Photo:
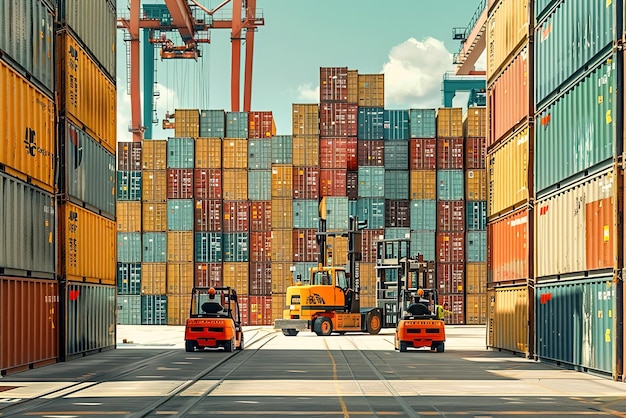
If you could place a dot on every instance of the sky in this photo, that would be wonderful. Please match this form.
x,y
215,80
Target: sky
x,y
410,41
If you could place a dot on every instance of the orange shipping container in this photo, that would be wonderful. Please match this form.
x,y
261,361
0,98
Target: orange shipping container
x,y
278,305
282,245
187,123
282,180
475,122
282,277
305,119
89,96
27,129
476,278
508,318
180,278
180,246
235,184
154,216
154,186
423,184
154,154
236,276
507,28
282,214
178,308
305,150
153,278
87,249
450,122
235,153
128,216
507,248
476,185
208,153
371,90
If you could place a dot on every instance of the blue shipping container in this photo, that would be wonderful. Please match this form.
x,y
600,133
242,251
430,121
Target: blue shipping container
x,y
259,185
236,125
423,242
180,215
235,246
260,154
396,124
371,181
282,149
180,153
128,278
305,214
397,184
476,215
336,213
212,123
154,310
371,121
129,185
128,247
129,309
155,247
397,155
476,246
208,248
372,210
450,185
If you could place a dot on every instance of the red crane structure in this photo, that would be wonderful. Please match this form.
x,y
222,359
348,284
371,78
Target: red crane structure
x,y
192,21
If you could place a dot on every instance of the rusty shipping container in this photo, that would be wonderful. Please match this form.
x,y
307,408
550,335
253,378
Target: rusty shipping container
x,y
450,278
371,153
475,122
305,120
236,216
129,156
397,213
208,153
305,182
154,154
507,29
423,154
338,119
450,215
153,216
450,247
475,152
260,246
187,123
88,95
180,279
128,216
208,274
261,125
352,185
30,322
304,245
333,182
371,90
507,248
476,185
333,84
180,183
449,153
456,303
333,153
27,144
449,122
153,278
207,183
260,216
235,184
260,310
260,278
423,184
508,319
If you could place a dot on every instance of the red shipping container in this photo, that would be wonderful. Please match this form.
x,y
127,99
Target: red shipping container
x,y
456,304
423,154
352,185
449,153
338,120
304,245
450,247
333,182
260,310
207,183
208,215
260,246
475,152
333,153
243,302
397,214
507,248
129,156
236,216
260,215
371,153
260,125
260,278
368,245
333,84
450,215
208,274
305,182
450,277
180,183
351,154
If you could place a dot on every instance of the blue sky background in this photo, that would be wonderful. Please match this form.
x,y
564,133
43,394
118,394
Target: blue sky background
x,y
410,41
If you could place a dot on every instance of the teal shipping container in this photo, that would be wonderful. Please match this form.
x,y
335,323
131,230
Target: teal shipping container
x,y
422,123
282,148
542,7
371,181
212,123
235,247
260,154
129,185
236,125
305,214
208,247
396,124
128,247
574,323
397,155
337,213
395,233
450,185
476,215
153,309
129,309
568,39
180,152
397,184
128,278
476,242
259,184
372,210
424,215
424,242
154,247
180,215
302,270
370,121
577,132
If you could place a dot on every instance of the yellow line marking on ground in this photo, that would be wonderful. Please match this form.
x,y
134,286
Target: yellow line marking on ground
x,y
344,408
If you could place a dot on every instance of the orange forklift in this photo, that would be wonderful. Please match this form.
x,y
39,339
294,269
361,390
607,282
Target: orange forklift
x,y
214,320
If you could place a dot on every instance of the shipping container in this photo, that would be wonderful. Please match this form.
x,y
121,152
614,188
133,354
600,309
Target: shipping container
x,y
368,284
305,214
423,184
260,216
475,278
207,183
333,153
368,244
235,153
450,247
282,245
333,84
208,153
260,278
129,309
187,124
235,247
282,181
371,153
28,228
212,124
180,278
208,274
236,276
235,184
154,247
338,119
507,246
282,214
180,183
396,154
154,216
449,122
178,307
153,278
422,123
508,319
371,181
305,120
336,209
153,185
236,125
88,95
208,247
282,277
27,144
476,185
180,152
575,228
244,313
450,216
475,122
180,247
259,184
236,216
305,150
424,242
395,233
395,124
81,257
153,309
475,153
450,185
304,245
371,90
302,272
353,86
423,154
180,214
305,183
30,323
449,153
281,149
154,154
334,182
397,213
260,154
372,210
260,246
507,28
397,185
424,214
450,278
128,216
129,247
337,250
476,242
128,155
476,215
352,185
261,125
456,304
476,309
129,185
278,305
351,154
370,123
260,310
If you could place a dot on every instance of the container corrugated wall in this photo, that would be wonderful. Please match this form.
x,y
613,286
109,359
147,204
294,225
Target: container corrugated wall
x,y
508,319
208,153
507,27
508,247
422,123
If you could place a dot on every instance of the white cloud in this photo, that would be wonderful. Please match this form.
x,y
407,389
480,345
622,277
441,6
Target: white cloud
x,y
307,93
414,73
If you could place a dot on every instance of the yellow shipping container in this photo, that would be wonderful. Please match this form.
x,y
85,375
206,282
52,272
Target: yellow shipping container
x,y
423,184
154,216
154,186
236,276
282,213
282,245
507,319
372,90
186,123
153,278
27,143
449,122
353,86
128,214
154,154
508,173
180,246
507,30
88,251
208,153
305,150
476,277
475,122
235,184
278,305
305,119
476,185
368,285
178,308
337,251
476,309
234,153
90,97
282,277
180,278
282,180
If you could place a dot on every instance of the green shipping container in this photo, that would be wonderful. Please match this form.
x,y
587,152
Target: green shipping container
x,y
423,242
208,247
259,184
476,215
574,323
424,215
476,242
305,214
128,278
422,123
396,233
212,123
396,124
154,310
236,125
128,247
260,154
372,210
282,146
154,247
129,185
370,120
129,309
180,215
397,155
371,181
450,185
336,213
397,184
180,152
235,247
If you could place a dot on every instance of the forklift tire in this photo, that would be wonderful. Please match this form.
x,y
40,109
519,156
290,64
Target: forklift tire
x,y
440,347
403,346
228,347
322,326
189,347
290,332
373,323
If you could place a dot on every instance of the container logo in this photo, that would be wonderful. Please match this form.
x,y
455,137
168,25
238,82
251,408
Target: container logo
x,y
30,144
78,148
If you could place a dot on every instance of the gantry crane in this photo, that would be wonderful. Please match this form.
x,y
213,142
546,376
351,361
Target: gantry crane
x,y
193,31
